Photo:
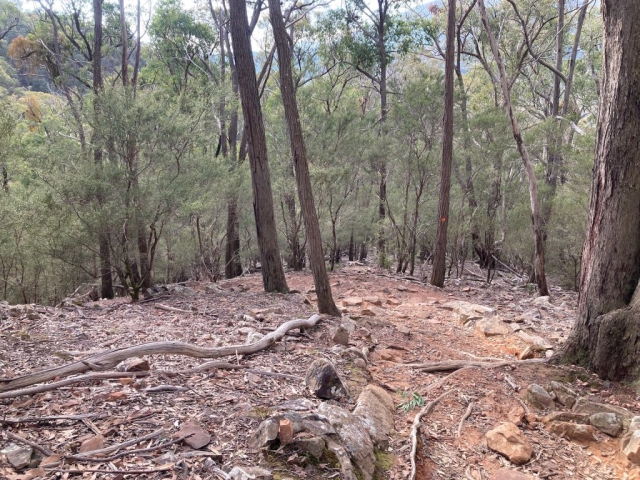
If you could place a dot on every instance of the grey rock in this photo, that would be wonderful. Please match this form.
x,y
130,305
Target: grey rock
x,y
606,422
583,405
250,473
253,337
537,396
541,301
296,405
375,409
324,382
354,437
266,434
567,417
312,445
18,456
317,425
492,327
341,454
340,336
632,448
564,394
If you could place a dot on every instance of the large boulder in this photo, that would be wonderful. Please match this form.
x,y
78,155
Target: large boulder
x,y
375,409
324,382
584,405
607,422
353,436
509,441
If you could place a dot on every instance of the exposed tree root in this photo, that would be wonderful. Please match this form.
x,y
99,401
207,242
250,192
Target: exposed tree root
x,y
449,365
112,358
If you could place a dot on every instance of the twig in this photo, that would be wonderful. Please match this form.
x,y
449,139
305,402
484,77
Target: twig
x,y
167,308
449,365
14,421
511,382
41,449
70,381
165,388
102,470
92,426
524,406
416,425
230,366
114,448
464,417
128,452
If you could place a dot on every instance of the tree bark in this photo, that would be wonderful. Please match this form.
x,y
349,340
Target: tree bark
x,y
301,166
273,277
536,219
440,253
606,335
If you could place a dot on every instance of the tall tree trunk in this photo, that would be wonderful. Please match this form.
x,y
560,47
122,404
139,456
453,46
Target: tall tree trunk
x,y
440,252
272,271
606,335
301,166
382,187
536,220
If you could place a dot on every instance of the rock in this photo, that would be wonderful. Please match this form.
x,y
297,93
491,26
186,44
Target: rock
x,y
516,415
367,312
95,442
18,456
573,431
389,355
509,441
373,300
360,363
468,311
296,404
285,431
137,365
534,340
541,301
253,337
375,409
341,454
340,336
312,445
491,327
527,353
507,474
354,437
266,434
549,353
352,302
537,396
317,425
393,302
566,417
324,382
632,448
250,473
198,436
584,405
609,423
634,424
564,394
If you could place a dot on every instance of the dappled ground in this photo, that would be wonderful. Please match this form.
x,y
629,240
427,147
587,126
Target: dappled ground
x,y
398,321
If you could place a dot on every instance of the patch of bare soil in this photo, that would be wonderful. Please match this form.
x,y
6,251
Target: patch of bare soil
x,y
409,323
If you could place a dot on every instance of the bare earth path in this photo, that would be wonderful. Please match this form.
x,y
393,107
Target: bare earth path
x,y
398,321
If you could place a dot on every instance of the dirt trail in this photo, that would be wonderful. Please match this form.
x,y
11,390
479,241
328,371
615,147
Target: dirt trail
x,y
407,323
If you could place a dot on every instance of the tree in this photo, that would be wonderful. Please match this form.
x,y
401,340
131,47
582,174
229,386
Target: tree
x,y
273,277
536,219
605,336
301,166
439,257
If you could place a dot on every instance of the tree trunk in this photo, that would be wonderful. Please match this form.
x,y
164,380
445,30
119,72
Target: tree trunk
x,y
606,335
303,180
438,272
273,277
536,219
232,266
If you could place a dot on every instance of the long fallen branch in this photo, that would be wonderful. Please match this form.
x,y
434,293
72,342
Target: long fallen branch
x,y
112,358
448,365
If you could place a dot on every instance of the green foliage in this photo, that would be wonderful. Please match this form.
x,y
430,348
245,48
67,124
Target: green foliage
x,y
411,401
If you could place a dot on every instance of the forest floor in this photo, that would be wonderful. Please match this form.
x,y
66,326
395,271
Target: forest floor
x,y
412,324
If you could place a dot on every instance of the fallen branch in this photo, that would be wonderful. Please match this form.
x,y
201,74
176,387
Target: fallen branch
x,y
229,366
115,448
464,417
111,358
70,381
15,421
103,470
82,458
416,425
35,446
449,365
167,308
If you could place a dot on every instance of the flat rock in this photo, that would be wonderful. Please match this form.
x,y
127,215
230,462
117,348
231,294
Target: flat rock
x,y
312,445
537,397
584,405
541,301
491,327
632,449
198,436
393,302
508,474
297,405
352,302
18,456
373,300
137,365
573,431
367,312
467,311
317,425
606,422
95,442
353,436
567,417
564,394
324,382
250,473
534,340
509,441
375,409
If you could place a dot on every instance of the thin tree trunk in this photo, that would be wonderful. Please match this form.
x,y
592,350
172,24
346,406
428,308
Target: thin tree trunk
x,y
272,271
536,219
303,179
439,266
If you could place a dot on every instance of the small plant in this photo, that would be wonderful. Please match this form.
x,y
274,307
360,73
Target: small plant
x,y
411,401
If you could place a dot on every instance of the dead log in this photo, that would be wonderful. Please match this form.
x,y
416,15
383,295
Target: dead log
x,y
449,365
112,358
